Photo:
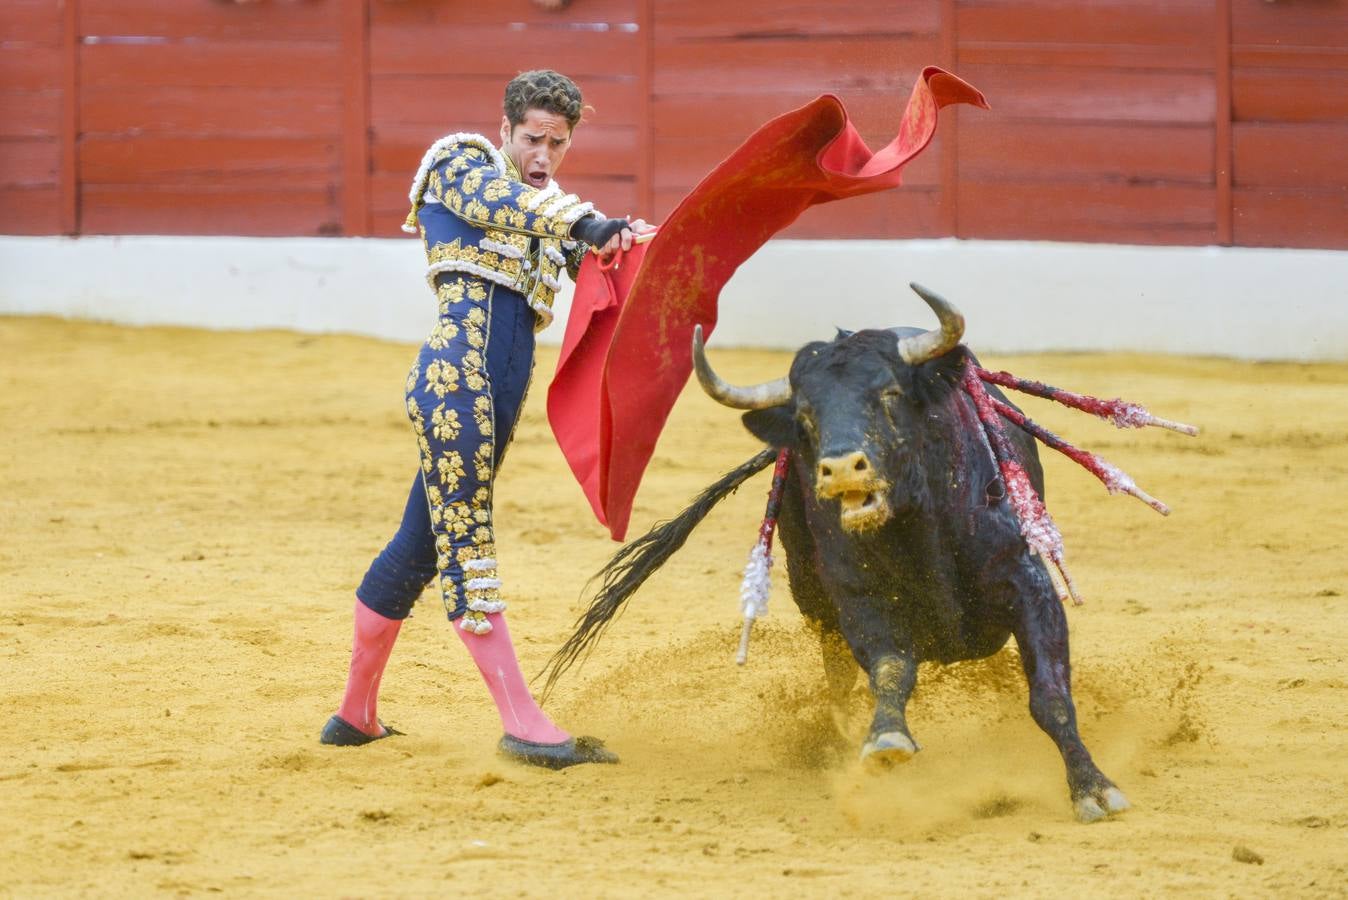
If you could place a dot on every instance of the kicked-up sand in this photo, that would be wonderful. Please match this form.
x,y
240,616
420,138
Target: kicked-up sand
x,y
184,516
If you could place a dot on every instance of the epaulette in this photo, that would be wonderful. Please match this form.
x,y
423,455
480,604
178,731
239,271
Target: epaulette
x,y
433,155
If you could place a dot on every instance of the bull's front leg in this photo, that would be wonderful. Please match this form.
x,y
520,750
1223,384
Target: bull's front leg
x,y
889,741
890,664
840,676
1041,635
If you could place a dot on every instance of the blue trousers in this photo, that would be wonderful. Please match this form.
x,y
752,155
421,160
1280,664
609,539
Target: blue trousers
x,y
464,395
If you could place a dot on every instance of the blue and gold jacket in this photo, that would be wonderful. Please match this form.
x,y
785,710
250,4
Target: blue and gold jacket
x,y
476,216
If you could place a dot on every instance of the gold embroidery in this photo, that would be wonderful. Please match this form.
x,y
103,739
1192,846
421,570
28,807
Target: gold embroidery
x,y
476,291
460,519
451,291
473,335
482,414
490,594
472,182
511,239
444,332
442,251
455,251
419,427
445,423
482,458
441,378
497,189
450,468
474,211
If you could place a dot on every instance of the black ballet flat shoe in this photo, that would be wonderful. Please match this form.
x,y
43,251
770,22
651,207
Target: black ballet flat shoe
x,y
341,733
571,752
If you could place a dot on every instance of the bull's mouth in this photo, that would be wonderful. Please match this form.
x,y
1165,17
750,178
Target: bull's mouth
x,y
863,510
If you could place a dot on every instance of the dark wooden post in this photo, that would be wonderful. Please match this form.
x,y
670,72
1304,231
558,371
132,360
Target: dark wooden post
x,y
355,118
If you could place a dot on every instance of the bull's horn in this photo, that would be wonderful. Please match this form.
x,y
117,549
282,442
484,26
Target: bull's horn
x,y
757,396
919,348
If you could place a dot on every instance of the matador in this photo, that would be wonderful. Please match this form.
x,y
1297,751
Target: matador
x,y
498,232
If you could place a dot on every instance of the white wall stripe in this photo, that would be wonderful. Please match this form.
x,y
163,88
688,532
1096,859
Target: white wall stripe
x,y
1016,296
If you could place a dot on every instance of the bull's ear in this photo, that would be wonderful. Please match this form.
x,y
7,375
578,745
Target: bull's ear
x,y
775,426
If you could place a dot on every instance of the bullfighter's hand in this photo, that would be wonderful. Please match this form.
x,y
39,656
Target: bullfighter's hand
x,y
625,239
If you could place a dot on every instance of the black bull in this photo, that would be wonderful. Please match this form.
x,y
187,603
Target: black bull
x,y
901,544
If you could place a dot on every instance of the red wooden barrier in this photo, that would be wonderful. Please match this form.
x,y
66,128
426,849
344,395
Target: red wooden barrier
x,y
1289,108
1149,121
31,117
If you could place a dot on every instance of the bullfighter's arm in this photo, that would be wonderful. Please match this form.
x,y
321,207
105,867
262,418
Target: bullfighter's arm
x,y
467,181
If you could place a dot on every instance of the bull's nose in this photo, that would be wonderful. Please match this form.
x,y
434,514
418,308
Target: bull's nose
x,y
842,470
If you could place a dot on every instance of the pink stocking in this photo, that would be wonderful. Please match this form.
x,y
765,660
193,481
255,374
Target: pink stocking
x,y
369,653
495,657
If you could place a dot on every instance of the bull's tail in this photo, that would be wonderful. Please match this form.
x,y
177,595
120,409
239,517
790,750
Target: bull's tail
x,y
629,568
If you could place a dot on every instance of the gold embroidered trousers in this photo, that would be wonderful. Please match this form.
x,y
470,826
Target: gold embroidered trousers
x,y
464,395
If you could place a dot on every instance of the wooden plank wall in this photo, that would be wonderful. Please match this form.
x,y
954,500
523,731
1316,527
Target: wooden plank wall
x,y
721,69
1102,125
31,92
1139,121
1289,94
441,67
209,118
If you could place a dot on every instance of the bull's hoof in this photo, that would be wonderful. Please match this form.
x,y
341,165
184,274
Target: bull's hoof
x,y
1099,805
888,750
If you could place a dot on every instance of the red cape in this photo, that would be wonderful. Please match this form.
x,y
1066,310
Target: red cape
x,y
627,349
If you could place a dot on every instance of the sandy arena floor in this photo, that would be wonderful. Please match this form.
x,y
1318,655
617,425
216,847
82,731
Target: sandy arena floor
x,y
184,515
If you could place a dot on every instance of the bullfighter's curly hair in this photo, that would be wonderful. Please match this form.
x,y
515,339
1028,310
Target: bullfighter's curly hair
x,y
546,90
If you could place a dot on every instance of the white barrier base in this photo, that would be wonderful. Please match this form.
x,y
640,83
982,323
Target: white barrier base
x,y
1016,296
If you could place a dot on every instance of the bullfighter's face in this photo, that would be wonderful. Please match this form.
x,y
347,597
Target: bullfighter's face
x,y
537,145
